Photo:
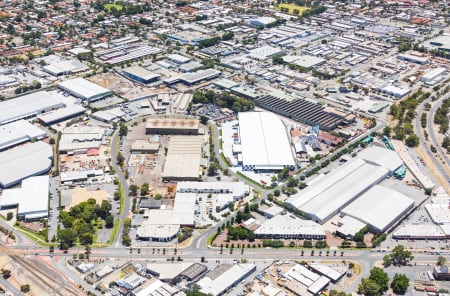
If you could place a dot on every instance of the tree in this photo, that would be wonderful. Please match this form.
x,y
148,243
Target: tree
x,y
9,216
52,141
400,256
276,192
86,239
338,293
387,261
400,283
204,119
123,130
369,287
6,273
144,189
412,141
380,277
133,189
441,260
67,237
307,244
25,288
212,169
109,221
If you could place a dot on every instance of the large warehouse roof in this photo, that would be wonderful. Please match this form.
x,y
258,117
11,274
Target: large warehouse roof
x,y
379,207
228,278
84,89
27,106
183,158
287,225
61,114
80,138
265,144
31,199
328,195
18,132
24,161
381,156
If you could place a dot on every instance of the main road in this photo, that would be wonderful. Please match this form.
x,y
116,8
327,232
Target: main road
x,y
126,198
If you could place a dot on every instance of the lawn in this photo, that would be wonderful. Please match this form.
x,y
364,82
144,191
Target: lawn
x,y
289,8
108,6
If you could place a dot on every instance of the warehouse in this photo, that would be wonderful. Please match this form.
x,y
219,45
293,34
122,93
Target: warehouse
x,y
61,114
325,197
141,75
28,106
265,52
65,67
306,61
172,126
331,193
17,132
289,227
434,76
183,158
178,59
223,277
199,76
31,199
413,58
79,139
262,21
110,115
143,147
302,110
265,143
24,161
84,89
390,207
238,189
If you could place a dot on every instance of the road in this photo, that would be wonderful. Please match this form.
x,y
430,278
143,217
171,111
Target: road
x,y
126,208
438,169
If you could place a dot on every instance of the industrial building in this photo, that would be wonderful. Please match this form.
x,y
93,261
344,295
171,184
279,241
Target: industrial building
x,y
265,52
31,199
264,141
289,227
223,277
183,158
433,76
65,67
305,61
24,161
141,74
79,139
237,189
192,78
28,106
306,111
61,114
110,115
389,208
172,126
178,59
18,132
262,21
302,281
157,287
333,192
144,147
84,89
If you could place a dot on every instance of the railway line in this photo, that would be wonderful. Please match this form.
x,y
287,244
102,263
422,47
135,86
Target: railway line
x,y
40,278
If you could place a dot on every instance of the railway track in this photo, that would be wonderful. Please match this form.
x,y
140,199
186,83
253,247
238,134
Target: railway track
x,y
46,280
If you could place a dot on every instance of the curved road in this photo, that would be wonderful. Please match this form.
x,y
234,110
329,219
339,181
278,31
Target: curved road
x,y
126,204
431,130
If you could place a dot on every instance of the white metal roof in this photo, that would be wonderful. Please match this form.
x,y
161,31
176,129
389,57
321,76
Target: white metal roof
x,y
379,207
343,191
27,106
218,285
439,213
18,132
61,114
349,226
382,156
141,72
289,225
84,89
327,271
264,140
24,161
31,198
81,137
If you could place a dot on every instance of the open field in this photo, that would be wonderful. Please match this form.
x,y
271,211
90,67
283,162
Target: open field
x,y
289,8
111,5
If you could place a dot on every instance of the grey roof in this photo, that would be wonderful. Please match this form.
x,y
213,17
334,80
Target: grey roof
x,y
27,106
18,132
24,161
84,89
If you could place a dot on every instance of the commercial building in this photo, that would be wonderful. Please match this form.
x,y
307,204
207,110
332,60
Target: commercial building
x,y
223,277
289,227
31,199
28,106
61,114
303,110
413,58
157,287
84,89
434,76
79,139
141,74
172,126
313,282
178,59
306,61
265,143
142,146
262,21
110,115
183,158
237,189
327,271
65,67
441,273
18,132
390,207
439,43
265,52
333,192
24,161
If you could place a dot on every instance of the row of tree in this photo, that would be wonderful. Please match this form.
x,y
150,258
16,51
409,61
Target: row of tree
x,y
224,99
378,282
